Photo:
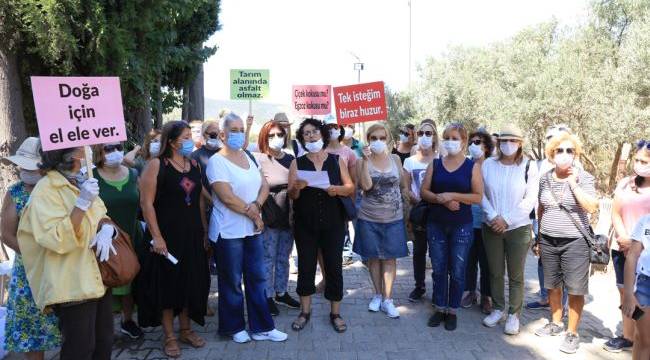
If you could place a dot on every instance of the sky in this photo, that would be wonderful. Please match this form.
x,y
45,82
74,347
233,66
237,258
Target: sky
x,y
317,42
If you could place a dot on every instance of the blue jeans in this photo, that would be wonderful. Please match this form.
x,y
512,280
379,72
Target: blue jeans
x,y
277,249
237,258
449,246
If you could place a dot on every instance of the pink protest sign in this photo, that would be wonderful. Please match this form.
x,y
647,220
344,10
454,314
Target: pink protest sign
x,y
312,99
77,111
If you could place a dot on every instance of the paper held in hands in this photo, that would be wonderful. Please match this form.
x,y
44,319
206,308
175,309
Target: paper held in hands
x,y
169,256
315,179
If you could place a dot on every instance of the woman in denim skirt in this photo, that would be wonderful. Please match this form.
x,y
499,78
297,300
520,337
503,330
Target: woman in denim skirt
x,y
381,233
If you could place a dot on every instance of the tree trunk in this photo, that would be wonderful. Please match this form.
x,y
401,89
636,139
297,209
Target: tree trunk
x,y
186,102
12,122
141,119
158,119
613,172
195,109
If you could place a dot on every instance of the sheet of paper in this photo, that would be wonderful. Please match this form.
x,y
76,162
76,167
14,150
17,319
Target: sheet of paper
x,y
316,179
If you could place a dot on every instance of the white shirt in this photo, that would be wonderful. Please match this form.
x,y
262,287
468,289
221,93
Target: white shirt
x,y
416,170
245,184
641,233
507,193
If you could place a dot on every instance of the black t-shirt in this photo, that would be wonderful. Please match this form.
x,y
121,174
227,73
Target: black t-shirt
x,y
202,155
402,156
286,160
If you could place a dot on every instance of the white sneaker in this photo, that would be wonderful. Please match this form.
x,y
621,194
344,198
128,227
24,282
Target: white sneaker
x,y
273,335
389,308
375,303
241,337
494,318
512,325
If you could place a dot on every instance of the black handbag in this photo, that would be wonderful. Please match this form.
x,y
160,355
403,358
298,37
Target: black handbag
x,y
350,210
273,215
418,213
598,244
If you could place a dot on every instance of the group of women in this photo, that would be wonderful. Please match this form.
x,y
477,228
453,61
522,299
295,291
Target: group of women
x,y
185,199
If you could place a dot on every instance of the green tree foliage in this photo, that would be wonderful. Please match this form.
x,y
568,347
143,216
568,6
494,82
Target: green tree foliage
x,y
152,45
591,77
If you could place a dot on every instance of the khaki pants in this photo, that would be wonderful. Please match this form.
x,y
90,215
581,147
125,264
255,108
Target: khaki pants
x,y
507,249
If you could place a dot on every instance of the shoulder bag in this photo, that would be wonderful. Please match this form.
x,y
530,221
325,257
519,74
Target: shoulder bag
x,y
598,244
121,268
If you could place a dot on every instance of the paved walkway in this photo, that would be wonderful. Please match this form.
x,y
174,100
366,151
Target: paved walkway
x,y
374,336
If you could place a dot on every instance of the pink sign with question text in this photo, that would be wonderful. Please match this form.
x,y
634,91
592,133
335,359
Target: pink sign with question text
x,y
76,111
312,99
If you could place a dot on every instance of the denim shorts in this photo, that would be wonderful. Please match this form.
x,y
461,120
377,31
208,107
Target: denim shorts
x,y
642,291
375,240
618,260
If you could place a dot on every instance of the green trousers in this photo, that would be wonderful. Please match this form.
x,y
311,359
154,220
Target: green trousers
x,y
507,250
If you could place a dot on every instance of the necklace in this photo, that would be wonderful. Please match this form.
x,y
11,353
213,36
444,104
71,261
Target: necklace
x,y
181,166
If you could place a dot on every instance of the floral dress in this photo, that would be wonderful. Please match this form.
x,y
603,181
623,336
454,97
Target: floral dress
x,y
27,328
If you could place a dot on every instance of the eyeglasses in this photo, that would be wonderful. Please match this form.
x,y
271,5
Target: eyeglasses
x,y
405,133
273,135
427,133
375,138
213,135
642,143
310,133
111,148
569,151
509,140
476,142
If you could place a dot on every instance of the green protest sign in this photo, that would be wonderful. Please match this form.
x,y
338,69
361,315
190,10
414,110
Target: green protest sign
x,y
246,84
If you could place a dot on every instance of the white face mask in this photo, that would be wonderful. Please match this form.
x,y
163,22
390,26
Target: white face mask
x,y
276,143
476,151
212,144
377,146
403,138
642,170
30,177
508,148
154,148
563,161
425,142
452,146
314,147
114,158
334,134
348,133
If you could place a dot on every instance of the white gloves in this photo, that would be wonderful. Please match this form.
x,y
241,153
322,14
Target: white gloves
x,y
104,241
88,191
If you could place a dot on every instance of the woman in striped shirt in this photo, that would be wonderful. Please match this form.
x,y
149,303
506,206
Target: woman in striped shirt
x,y
566,197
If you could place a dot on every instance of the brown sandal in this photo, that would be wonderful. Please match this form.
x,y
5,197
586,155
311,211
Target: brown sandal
x,y
189,337
171,348
339,328
301,321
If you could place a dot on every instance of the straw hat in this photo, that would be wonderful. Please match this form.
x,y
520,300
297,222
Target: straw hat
x,y
27,156
510,132
282,119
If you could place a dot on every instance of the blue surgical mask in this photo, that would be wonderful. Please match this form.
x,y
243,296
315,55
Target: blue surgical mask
x,y
235,141
186,147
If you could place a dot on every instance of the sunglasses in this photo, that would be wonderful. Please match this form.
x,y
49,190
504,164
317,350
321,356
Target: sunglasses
x,y
111,148
212,135
405,133
273,135
642,143
569,151
375,138
427,133
508,140
476,142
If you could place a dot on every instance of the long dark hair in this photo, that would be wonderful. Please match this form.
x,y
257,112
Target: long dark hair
x,y
324,133
171,131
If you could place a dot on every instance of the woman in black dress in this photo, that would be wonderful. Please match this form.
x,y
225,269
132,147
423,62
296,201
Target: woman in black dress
x,y
174,211
319,221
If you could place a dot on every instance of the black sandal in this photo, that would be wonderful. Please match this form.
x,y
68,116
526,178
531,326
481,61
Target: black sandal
x,y
297,326
338,328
